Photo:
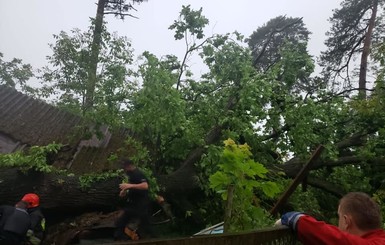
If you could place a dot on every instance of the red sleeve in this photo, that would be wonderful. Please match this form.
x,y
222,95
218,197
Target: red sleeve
x,y
310,231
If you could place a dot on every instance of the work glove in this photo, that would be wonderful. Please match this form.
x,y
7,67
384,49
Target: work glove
x,y
290,219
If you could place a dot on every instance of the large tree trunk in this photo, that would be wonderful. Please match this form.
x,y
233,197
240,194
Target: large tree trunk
x,y
62,194
60,190
57,191
94,57
366,52
63,191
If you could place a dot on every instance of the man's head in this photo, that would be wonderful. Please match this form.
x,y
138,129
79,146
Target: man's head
x,y
32,199
127,164
358,213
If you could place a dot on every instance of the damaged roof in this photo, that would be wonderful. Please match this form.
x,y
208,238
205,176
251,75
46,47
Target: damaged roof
x,y
31,121
26,121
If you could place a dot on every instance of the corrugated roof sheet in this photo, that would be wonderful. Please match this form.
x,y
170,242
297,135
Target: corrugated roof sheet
x,y
32,121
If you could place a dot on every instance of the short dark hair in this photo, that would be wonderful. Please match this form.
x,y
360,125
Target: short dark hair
x,y
126,162
365,211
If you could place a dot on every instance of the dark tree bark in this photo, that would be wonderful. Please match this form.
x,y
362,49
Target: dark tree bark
x,y
94,57
119,9
229,207
62,191
185,178
366,52
351,36
57,191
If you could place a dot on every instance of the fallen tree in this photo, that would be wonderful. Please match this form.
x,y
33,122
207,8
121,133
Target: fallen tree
x,y
65,194
63,190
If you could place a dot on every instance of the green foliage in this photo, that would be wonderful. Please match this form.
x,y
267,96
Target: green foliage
x,y
208,166
266,42
304,201
157,111
295,66
294,106
191,21
345,43
350,178
15,74
87,180
34,159
121,8
275,105
139,154
312,201
379,56
66,80
379,197
239,170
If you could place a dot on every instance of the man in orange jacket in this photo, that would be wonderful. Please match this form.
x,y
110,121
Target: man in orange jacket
x,y
359,223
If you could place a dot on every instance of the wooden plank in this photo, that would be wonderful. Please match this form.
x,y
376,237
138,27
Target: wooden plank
x,y
298,179
277,235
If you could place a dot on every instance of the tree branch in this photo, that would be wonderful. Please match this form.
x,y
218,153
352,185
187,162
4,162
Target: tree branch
x,y
272,33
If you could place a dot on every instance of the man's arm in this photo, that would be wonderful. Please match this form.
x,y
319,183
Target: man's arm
x,y
311,231
140,186
35,220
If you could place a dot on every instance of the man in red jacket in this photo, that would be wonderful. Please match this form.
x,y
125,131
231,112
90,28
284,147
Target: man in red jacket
x,y
359,223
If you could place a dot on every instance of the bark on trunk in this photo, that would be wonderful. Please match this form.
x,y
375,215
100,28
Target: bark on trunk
x,y
64,192
229,208
366,52
185,178
94,57
57,190
60,190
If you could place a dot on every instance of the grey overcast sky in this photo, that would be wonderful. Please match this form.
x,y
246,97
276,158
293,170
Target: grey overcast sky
x,y
27,26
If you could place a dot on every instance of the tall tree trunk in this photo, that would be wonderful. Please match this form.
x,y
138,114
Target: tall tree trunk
x,y
229,208
365,53
94,57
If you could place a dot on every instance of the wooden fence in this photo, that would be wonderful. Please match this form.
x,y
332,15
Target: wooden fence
x,y
271,236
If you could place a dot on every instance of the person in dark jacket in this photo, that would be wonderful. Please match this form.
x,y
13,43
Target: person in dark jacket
x,y
14,223
136,191
36,231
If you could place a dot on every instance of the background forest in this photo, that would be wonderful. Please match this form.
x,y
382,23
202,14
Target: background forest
x,y
230,141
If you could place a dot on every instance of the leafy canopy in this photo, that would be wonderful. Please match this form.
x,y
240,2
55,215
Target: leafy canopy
x,y
249,179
